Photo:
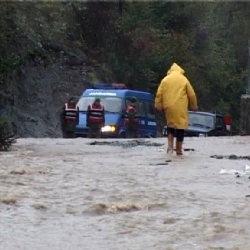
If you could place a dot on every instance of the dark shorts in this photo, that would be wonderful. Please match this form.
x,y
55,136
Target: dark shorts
x,y
178,133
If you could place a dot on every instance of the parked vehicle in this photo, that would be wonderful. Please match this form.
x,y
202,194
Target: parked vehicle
x,y
115,98
206,124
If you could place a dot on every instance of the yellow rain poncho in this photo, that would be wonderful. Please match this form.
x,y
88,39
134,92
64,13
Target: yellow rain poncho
x,y
174,95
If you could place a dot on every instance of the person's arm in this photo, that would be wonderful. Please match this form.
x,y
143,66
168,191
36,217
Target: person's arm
x,y
62,115
87,116
191,97
77,115
136,117
158,98
136,113
103,116
126,112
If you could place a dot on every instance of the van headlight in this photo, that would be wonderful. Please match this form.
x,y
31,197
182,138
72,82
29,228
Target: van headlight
x,y
108,129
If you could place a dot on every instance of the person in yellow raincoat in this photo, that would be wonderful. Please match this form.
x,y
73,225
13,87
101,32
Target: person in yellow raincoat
x,y
174,96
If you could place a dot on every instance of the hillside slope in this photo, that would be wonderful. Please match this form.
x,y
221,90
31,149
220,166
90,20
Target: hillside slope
x,y
40,96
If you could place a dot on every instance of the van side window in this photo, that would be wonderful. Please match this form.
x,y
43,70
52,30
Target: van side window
x,y
150,110
140,107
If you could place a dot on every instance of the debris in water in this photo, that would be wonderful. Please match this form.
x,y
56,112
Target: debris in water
x,y
101,208
127,144
188,149
217,156
71,210
39,206
158,164
233,171
113,208
170,220
9,200
223,171
241,175
231,157
20,183
247,167
219,228
20,171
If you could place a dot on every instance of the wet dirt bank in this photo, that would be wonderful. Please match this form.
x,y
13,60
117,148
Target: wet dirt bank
x,y
66,194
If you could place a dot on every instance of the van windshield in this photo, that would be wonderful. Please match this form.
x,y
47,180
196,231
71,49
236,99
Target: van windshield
x,y
201,120
111,104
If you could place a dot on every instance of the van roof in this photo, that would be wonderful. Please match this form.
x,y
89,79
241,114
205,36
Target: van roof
x,y
205,113
117,93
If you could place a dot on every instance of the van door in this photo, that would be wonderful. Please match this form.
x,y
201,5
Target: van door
x,y
220,127
141,111
151,119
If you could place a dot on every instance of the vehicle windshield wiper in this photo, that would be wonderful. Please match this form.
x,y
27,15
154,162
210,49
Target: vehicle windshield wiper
x,y
111,112
199,125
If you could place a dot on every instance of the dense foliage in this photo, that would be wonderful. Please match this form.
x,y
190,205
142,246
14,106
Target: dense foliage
x,y
136,42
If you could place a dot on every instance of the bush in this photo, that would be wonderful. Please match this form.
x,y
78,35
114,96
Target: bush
x,y
5,126
5,133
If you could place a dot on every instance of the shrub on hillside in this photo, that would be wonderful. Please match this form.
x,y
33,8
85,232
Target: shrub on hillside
x,y
6,136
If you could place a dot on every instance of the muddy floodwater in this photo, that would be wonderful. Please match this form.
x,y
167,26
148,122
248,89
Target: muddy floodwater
x,y
63,194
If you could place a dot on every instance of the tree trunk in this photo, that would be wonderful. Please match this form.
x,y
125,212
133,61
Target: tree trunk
x,y
245,115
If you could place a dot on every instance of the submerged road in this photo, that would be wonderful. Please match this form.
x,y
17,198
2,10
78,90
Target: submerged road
x,y
62,194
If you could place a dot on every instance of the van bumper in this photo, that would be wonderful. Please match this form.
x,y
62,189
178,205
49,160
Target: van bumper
x,y
81,132
109,135
84,134
103,135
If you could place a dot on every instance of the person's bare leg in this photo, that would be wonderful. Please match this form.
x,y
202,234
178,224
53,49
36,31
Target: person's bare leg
x,y
170,143
179,148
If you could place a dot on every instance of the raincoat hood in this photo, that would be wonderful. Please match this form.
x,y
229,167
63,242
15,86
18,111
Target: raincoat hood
x,y
175,68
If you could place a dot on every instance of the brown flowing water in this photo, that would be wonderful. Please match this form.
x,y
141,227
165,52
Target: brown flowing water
x,y
61,194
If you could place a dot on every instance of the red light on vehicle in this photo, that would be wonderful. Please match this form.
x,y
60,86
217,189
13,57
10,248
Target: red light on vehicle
x,y
228,122
228,119
119,85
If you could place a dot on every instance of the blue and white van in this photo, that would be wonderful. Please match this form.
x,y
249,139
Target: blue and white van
x,y
115,98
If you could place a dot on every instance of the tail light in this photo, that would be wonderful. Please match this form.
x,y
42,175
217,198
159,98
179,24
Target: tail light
x,y
228,121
